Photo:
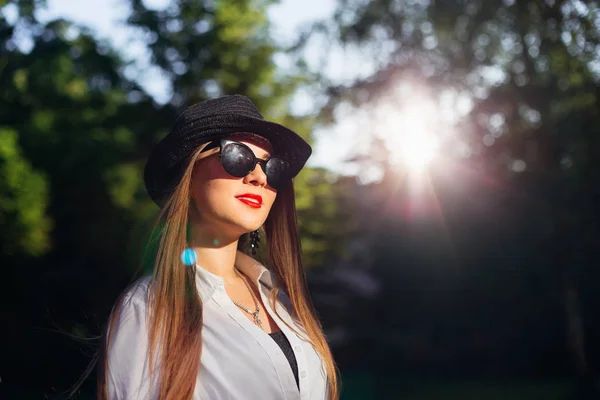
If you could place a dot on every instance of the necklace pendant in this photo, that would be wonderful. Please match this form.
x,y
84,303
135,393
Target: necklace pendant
x,y
257,320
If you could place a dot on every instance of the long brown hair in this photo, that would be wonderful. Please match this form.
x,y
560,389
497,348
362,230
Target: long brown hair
x,y
175,320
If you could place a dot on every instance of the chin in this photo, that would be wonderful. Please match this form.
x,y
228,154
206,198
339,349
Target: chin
x,y
250,226
239,226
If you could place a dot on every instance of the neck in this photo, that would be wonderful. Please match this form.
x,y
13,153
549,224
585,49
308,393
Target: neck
x,y
215,253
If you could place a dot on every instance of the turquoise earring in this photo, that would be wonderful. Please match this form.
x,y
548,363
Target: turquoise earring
x,y
188,257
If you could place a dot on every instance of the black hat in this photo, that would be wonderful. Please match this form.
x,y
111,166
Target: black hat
x,y
210,120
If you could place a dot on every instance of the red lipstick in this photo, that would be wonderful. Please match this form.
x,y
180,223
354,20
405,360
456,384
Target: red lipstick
x,y
253,200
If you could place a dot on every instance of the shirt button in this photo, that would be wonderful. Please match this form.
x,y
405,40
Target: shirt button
x,y
298,348
303,374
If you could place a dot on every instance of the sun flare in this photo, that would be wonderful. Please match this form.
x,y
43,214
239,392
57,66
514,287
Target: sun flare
x,y
417,150
411,134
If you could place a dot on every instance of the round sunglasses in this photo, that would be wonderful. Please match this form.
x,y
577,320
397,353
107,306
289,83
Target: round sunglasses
x,y
238,160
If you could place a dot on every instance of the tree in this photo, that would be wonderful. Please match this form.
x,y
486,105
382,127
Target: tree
x,y
74,135
530,70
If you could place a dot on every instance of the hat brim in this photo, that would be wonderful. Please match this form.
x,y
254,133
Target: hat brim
x,y
171,155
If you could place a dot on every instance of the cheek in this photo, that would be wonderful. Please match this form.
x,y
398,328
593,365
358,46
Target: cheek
x,y
269,198
210,169
210,194
206,184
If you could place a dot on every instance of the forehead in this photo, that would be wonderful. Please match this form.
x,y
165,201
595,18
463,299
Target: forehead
x,y
254,139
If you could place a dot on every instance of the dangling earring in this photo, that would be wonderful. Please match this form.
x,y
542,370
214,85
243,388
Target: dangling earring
x,y
254,241
188,255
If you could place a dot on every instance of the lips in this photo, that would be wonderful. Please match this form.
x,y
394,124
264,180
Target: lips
x,y
252,200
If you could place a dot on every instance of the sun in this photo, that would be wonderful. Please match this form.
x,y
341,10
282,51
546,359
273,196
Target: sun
x,y
410,134
418,149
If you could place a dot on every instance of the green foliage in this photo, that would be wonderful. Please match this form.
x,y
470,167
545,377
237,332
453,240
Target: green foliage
x,y
85,130
24,200
534,64
542,52
531,63
208,49
122,182
212,48
75,133
320,216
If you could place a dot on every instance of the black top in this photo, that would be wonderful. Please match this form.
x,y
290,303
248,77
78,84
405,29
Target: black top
x,y
286,347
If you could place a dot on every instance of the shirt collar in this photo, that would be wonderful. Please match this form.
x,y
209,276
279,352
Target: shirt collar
x,y
208,283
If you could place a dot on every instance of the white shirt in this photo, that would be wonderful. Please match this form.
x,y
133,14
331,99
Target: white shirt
x,y
239,360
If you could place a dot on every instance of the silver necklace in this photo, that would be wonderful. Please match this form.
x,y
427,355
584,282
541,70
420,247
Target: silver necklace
x,y
254,314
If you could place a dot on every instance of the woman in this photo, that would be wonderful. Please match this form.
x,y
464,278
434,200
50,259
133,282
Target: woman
x,y
211,322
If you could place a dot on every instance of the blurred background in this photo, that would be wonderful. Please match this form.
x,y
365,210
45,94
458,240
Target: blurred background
x,y
449,214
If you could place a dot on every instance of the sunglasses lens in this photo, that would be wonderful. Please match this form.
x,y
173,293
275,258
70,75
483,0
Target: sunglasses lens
x,y
237,160
277,172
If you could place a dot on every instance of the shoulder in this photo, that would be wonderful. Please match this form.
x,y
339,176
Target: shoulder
x,y
134,298
128,346
138,290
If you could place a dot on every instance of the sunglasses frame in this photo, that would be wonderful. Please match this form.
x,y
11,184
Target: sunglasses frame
x,y
222,143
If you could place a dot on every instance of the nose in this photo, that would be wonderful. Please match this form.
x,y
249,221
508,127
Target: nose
x,y
257,176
